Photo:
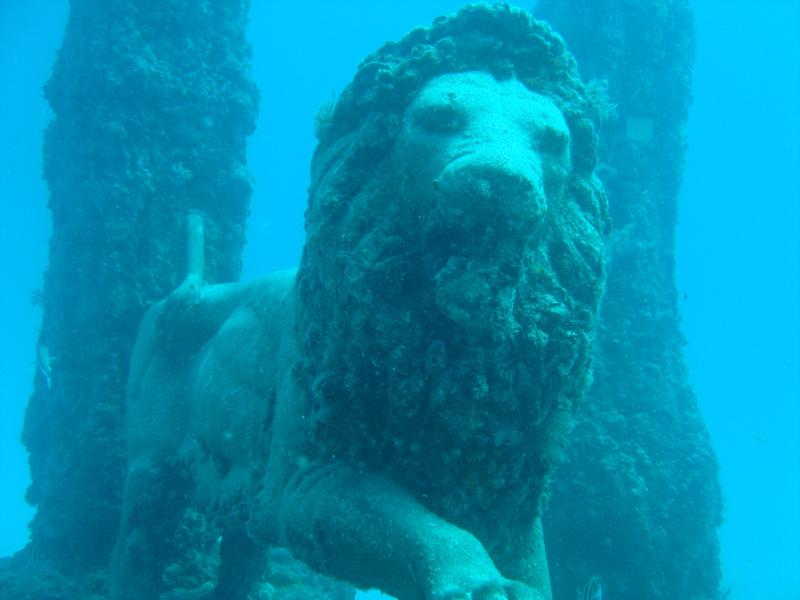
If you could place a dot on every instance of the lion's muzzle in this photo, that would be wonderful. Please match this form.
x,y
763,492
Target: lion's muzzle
x,y
480,190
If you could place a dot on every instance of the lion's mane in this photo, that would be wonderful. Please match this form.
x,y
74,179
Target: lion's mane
x,y
470,418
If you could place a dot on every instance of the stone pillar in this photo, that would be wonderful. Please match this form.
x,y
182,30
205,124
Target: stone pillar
x,y
638,500
153,102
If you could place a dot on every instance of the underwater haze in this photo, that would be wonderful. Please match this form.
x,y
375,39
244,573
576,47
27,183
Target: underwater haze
x,y
738,274
738,235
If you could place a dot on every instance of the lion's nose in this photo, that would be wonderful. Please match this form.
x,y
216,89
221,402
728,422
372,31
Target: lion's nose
x,y
494,189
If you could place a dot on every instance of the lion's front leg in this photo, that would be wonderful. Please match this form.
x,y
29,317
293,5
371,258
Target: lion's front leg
x,y
371,532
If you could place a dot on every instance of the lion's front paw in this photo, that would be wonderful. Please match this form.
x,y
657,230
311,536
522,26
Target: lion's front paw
x,y
471,591
492,590
486,592
519,591
462,570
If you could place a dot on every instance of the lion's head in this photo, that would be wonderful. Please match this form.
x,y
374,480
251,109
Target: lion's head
x,y
451,278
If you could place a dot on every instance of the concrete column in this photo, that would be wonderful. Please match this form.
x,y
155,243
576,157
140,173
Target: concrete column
x,y
153,103
638,501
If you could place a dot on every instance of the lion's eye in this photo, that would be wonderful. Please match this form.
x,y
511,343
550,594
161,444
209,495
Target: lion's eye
x,y
551,141
440,118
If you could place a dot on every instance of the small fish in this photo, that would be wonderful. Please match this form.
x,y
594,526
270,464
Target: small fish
x,y
593,590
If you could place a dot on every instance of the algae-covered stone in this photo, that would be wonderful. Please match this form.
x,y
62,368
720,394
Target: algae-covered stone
x,y
641,479
393,412
152,104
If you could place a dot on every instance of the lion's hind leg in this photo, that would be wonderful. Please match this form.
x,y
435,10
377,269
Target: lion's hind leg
x,y
155,498
242,562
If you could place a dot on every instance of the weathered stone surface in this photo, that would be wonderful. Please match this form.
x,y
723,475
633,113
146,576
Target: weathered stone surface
x,y
392,414
638,499
152,103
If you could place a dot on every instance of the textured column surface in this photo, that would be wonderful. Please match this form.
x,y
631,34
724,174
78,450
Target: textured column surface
x,y
153,102
638,501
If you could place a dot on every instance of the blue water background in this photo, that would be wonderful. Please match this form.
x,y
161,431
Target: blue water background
x,y
738,249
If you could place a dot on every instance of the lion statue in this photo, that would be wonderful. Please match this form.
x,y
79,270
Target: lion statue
x,y
392,411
